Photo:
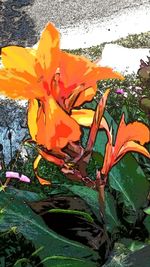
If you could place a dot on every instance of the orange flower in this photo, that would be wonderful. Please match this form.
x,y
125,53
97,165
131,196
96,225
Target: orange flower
x,y
129,138
54,82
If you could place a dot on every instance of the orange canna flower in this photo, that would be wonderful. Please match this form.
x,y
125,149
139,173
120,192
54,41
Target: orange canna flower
x,y
129,138
54,82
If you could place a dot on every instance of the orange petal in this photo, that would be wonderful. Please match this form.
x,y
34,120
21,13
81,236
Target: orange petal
x,y
48,52
132,146
85,96
16,85
78,70
73,68
32,118
57,127
51,158
96,121
19,59
35,166
108,156
136,131
84,117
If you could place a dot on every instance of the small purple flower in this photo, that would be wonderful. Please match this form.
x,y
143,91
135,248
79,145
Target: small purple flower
x,y
119,91
16,175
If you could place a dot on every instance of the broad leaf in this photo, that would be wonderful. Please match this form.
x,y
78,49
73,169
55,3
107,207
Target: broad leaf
x,y
147,223
112,219
122,257
16,213
89,195
59,261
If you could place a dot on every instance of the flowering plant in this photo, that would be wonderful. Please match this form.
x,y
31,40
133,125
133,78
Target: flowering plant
x,y
57,84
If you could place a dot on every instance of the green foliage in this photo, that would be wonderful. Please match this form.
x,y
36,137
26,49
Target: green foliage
x,y
16,214
123,257
112,221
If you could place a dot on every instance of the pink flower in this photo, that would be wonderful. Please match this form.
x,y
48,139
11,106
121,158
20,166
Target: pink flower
x,y
120,91
16,175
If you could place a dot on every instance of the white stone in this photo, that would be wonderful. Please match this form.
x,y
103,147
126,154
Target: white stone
x,y
122,59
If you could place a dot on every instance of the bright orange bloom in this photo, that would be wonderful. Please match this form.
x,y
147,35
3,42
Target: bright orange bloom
x,y
129,138
54,82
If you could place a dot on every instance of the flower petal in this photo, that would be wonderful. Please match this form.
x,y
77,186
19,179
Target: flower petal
x,y
24,178
108,156
35,166
11,174
32,118
55,127
85,96
76,70
84,117
48,52
132,146
19,59
17,85
136,131
51,158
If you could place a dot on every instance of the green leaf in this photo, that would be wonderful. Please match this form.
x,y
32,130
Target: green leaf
x,y
76,212
125,111
140,258
122,257
19,262
24,195
132,245
118,256
147,223
89,195
112,219
16,213
147,210
59,261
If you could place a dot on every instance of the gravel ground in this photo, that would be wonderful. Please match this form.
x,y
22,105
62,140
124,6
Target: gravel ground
x,y
82,23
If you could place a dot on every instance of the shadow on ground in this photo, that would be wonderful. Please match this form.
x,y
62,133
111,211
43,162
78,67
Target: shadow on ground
x,y
16,27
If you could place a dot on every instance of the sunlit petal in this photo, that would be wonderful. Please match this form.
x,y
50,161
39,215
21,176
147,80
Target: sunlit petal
x,y
51,158
85,96
35,167
132,146
59,128
108,156
136,131
19,59
83,71
32,118
85,118
48,52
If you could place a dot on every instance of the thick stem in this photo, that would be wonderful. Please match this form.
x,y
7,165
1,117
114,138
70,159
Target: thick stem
x,y
100,184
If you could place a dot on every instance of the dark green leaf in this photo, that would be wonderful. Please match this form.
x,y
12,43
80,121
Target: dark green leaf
x,y
122,257
76,212
59,261
147,223
132,245
125,111
111,214
16,213
89,195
